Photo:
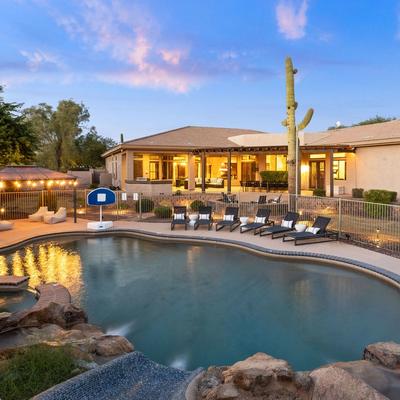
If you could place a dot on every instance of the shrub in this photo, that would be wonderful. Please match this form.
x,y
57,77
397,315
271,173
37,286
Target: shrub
x,y
93,186
147,205
163,212
196,204
357,193
380,196
319,192
34,369
274,176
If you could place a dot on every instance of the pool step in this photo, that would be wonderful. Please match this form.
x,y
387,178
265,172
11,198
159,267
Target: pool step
x,y
129,377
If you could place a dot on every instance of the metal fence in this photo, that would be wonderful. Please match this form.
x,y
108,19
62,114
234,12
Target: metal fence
x,y
371,224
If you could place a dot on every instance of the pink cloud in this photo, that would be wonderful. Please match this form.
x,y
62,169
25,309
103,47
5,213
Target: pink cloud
x,y
292,18
172,56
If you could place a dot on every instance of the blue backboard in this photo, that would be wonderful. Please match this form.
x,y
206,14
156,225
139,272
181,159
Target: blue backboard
x,y
101,197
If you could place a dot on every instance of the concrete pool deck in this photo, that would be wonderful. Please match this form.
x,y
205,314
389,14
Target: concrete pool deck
x,y
25,231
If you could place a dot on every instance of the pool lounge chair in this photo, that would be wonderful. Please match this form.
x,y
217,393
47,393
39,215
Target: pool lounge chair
x,y
261,200
260,220
205,217
275,200
231,219
315,234
59,216
287,225
180,217
39,214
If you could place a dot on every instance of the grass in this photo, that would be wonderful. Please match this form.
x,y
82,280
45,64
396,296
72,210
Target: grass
x,y
34,369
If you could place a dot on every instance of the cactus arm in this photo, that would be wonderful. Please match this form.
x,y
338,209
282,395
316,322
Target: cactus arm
x,y
306,120
284,122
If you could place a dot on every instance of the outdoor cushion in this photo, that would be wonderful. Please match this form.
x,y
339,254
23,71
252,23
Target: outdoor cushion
x,y
228,217
179,216
259,220
204,216
6,225
300,227
287,224
312,230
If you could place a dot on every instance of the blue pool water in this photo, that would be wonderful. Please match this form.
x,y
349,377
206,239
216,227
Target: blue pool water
x,y
190,306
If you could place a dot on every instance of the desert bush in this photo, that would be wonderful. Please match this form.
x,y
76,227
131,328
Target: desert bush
x,y
196,204
147,205
163,212
274,176
357,193
380,196
319,192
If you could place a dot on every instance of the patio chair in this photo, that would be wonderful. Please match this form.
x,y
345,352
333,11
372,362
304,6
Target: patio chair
x,y
231,219
260,220
39,214
315,234
287,225
275,200
59,216
226,198
261,200
205,217
180,217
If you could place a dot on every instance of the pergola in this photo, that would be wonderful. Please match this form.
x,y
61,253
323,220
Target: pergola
x,y
30,177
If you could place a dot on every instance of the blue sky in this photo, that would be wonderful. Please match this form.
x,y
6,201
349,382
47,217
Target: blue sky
x,y
146,66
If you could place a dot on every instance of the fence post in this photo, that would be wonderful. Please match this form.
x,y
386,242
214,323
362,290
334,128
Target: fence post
x,y
140,205
75,201
340,217
117,202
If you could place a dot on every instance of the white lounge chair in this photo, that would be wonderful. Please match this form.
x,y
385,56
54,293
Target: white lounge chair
x,y
59,216
6,225
39,214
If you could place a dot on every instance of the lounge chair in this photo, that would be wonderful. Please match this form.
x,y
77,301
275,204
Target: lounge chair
x,y
228,198
260,221
180,217
205,217
261,200
59,216
231,219
287,225
39,214
314,234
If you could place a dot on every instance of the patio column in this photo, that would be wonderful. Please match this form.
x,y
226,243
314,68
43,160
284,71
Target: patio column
x,y
229,188
261,166
129,165
191,171
203,172
329,173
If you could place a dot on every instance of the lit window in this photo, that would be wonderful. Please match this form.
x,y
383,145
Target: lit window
x,y
317,156
339,169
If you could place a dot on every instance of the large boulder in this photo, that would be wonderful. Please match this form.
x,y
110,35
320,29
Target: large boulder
x,y
334,383
110,345
226,391
257,370
384,353
210,379
64,315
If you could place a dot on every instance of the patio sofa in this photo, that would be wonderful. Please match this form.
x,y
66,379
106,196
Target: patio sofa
x,y
210,183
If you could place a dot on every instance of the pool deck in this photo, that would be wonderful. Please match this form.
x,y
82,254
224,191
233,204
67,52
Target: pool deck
x,y
25,231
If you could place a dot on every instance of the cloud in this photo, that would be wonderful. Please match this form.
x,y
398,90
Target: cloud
x,y
291,17
38,58
131,37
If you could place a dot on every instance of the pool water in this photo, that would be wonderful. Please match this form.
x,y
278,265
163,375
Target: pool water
x,y
189,306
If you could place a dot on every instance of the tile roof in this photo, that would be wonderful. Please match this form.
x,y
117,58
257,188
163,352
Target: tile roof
x,y
30,173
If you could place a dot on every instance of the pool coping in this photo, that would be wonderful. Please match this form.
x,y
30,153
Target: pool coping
x,y
344,262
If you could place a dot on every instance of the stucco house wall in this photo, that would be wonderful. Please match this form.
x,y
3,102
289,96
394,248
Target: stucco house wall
x,y
378,168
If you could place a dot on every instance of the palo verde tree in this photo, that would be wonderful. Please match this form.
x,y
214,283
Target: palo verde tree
x,y
290,123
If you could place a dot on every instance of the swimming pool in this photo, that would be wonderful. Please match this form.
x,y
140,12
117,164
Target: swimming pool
x,y
199,305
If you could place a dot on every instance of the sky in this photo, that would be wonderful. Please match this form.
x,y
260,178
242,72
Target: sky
x,y
148,66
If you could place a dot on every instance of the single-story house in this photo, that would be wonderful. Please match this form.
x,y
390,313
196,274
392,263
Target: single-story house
x,y
203,158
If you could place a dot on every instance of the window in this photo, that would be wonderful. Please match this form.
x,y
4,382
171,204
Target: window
x,y
137,166
339,169
167,167
154,170
317,156
276,162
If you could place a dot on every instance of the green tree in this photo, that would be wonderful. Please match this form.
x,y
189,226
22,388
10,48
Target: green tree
x,y
57,131
17,140
90,147
374,120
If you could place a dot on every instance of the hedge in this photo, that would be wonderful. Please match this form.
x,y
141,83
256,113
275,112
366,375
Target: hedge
x,y
357,193
147,205
380,196
274,176
163,212
196,204
319,192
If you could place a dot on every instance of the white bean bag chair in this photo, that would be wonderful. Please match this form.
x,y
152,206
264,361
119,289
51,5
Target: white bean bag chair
x,y
6,225
59,216
39,214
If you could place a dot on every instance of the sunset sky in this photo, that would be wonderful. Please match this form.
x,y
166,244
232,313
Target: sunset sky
x,y
146,66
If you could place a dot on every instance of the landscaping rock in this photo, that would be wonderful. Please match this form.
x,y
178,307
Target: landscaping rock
x,y
334,383
257,370
384,353
209,380
226,391
110,345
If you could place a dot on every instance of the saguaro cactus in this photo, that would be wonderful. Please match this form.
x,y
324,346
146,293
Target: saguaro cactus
x,y
290,123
